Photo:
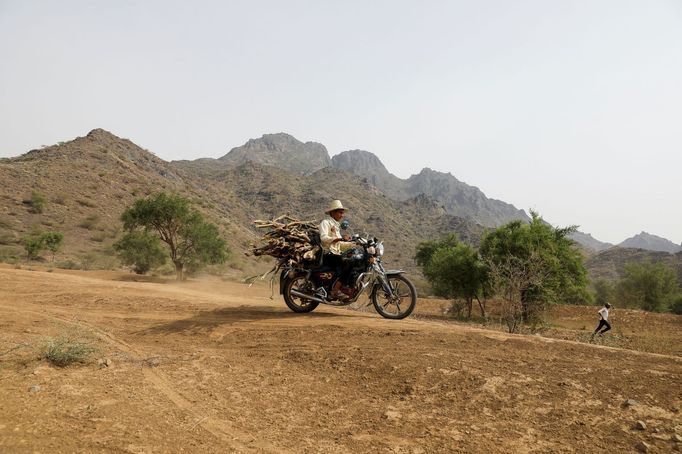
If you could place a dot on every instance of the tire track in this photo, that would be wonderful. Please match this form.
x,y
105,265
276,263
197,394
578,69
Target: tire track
x,y
221,429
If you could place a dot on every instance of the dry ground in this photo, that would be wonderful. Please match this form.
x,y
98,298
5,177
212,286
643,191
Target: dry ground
x,y
211,366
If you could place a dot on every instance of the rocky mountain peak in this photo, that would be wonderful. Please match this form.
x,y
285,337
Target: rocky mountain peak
x,y
644,240
359,162
283,151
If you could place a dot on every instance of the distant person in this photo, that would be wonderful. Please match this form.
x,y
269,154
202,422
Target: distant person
x,y
603,320
334,244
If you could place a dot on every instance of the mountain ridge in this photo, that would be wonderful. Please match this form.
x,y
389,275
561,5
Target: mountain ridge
x,y
644,240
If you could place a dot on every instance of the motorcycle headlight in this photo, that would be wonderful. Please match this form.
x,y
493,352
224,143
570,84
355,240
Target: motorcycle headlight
x,y
380,249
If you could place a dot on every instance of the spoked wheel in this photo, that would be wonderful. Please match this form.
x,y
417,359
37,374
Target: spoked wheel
x,y
295,303
401,304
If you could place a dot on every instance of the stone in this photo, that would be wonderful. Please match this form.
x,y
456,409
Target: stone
x,y
639,425
630,403
392,415
34,388
677,438
104,362
643,446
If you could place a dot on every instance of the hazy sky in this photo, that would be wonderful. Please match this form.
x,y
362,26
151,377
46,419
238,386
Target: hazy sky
x,y
572,108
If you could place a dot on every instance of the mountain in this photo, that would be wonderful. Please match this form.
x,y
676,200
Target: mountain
x,y
651,242
589,241
610,264
283,151
458,198
367,165
89,181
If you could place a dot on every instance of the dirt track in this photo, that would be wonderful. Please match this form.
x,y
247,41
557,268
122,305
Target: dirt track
x,y
219,367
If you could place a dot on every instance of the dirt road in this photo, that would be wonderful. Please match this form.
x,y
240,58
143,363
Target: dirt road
x,y
219,367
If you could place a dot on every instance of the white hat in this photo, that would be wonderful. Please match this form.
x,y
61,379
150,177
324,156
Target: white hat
x,y
335,205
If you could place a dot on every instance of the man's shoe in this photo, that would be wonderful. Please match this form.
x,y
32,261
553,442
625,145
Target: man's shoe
x,y
339,295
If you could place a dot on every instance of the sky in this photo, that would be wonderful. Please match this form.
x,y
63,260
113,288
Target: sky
x,y
570,108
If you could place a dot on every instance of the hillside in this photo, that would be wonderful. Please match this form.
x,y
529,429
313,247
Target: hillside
x,y
89,181
610,264
286,152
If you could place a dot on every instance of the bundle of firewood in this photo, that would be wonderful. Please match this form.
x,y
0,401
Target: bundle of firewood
x,y
288,238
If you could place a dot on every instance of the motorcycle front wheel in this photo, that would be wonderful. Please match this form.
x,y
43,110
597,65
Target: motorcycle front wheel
x,y
401,304
295,303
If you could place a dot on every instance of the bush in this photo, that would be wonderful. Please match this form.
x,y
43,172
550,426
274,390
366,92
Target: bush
x,y
33,246
89,222
648,286
36,202
64,350
141,251
86,203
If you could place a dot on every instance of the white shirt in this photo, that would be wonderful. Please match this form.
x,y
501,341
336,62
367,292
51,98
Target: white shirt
x,y
604,312
330,229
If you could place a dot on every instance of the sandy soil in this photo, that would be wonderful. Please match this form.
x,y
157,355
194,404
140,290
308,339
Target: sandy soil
x,y
219,367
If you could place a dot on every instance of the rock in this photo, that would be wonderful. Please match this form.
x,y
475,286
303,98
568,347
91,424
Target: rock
x,y
630,403
676,438
34,388
104,362
643,446
639,425
392,415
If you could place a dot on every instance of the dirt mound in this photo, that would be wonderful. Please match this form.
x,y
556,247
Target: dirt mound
x,y
210,366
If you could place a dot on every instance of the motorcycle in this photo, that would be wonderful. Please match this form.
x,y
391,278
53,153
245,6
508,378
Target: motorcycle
x,y
306,286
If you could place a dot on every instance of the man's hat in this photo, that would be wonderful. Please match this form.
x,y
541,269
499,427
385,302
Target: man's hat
x,y
335,205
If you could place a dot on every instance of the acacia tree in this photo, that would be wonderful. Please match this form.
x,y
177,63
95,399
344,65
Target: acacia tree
x,y
558,274
454,270
190,239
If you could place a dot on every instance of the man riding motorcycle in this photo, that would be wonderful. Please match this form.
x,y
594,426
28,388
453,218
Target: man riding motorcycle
x,y
334,245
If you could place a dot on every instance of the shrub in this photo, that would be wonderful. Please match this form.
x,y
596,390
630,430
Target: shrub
x,y
36,202
89,222
86,203
64,350
52,241
33,246
141,251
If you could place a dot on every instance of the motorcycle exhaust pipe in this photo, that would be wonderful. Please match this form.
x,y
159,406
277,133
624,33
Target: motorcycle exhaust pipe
x,y
317,299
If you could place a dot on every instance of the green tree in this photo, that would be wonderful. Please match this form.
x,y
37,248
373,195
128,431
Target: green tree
x,y
555,265
648,286
190,239
676,307
140,250
52,241
603,292
454,270
33,245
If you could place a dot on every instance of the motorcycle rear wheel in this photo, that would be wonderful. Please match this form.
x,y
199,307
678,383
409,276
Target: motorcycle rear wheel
x,y
401,304
295,303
